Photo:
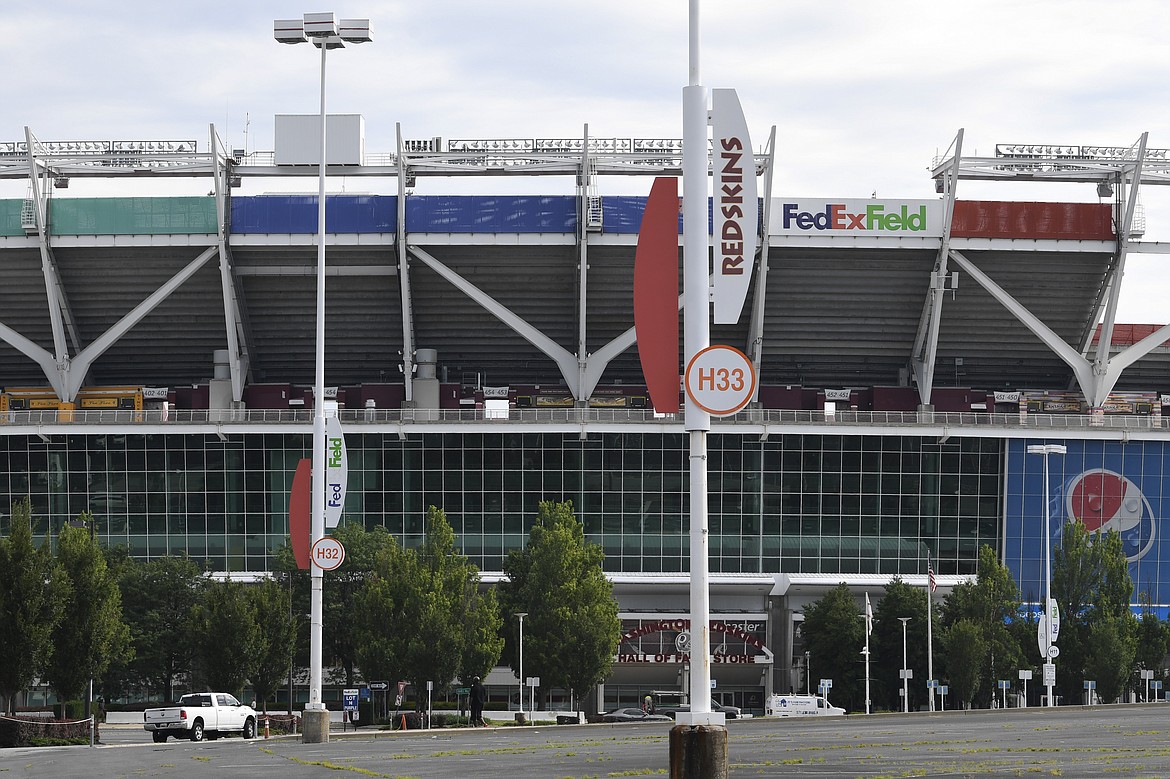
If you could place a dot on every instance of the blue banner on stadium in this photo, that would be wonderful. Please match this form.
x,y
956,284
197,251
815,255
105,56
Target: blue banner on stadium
x,y
1106,485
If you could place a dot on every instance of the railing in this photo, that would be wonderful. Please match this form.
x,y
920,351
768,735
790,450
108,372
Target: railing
x,y
1041,423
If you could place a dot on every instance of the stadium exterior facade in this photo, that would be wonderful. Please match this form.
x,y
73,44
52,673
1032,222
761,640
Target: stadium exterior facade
x,y
157,356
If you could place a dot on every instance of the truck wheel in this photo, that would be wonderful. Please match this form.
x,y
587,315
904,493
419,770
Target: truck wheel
x,y
197,730
159,737
250,728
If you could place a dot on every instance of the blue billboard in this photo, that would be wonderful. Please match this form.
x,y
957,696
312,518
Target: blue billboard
x,y
1107,485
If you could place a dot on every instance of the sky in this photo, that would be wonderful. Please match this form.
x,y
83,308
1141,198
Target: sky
x,y
863,96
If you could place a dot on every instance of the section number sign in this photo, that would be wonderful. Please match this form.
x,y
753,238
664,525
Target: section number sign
x,y
720,380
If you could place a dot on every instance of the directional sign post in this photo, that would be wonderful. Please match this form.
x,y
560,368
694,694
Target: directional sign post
x,y
350,697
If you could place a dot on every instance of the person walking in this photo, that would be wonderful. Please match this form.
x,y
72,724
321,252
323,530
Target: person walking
x,y
478,699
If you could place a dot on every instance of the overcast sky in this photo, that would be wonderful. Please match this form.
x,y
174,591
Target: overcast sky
x,y
863,95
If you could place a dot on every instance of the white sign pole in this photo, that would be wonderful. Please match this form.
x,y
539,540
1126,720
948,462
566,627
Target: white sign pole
x,y
696,337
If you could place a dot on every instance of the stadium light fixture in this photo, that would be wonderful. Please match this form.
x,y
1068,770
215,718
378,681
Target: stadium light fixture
x,y
324,32
1047,644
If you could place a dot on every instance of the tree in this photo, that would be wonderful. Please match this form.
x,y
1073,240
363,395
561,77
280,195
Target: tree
x,y
834,635
1109,654
886,643
1092,586
30,606
482,623
225,636
275,641
966,659
990,604
419,615
1152,642
91,633
572,625
159,597
379,617
340,587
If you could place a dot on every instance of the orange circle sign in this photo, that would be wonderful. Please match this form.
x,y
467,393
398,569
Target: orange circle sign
x,y
720,380
327,553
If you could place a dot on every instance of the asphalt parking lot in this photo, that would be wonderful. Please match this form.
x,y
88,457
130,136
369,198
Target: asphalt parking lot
x,y
1122,741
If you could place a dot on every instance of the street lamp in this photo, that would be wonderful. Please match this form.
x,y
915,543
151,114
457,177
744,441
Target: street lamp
x,y
520,700
807,675
325,33
1050,612
905,670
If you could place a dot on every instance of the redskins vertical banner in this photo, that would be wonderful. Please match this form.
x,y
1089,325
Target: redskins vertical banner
x,y
735,209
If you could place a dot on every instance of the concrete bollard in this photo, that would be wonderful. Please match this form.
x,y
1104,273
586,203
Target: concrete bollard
x,y
315,726
698,752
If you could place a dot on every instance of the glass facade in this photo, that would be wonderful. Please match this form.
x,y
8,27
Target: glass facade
x,y
791,504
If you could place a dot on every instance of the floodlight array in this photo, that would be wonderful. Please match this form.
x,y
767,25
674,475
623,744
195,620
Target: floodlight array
x,y
1030,151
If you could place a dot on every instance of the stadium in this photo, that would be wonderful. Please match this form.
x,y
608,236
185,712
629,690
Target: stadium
x,y
157,364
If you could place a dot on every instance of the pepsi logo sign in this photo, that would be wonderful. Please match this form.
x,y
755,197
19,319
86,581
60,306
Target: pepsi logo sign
x,y
1104,500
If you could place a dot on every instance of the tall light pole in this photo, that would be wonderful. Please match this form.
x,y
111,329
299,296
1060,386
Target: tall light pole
x,y
325,32
807,674
520,700
1048,642
905,670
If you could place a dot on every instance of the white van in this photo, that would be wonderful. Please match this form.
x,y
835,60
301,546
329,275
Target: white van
x,y
801,706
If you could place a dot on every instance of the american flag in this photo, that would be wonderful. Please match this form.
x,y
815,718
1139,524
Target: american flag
x,y
930,576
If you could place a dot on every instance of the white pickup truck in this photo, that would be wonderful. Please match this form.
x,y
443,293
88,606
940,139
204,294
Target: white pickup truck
x,y
210,714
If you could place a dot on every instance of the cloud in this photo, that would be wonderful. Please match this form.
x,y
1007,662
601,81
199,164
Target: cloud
x,y
863,95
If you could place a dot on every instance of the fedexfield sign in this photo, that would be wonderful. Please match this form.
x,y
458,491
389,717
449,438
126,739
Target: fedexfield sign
x,y
736,207
920,218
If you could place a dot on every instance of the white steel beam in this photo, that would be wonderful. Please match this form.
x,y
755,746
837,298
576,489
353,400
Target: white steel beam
x,y
584,179
1080,366
407,303
755,345
235,329
34,352
60,314
75,374
1104,378
564,359
926,339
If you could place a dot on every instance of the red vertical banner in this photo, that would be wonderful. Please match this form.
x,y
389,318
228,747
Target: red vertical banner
x,y
656,295
299,510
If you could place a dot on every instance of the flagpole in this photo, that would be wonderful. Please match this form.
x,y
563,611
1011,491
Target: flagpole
x,y
929,633
868,630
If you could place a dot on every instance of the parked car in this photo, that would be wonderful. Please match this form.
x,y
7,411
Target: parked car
x,y
210,714
633,714
670,709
